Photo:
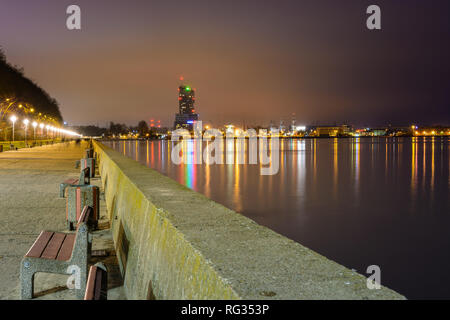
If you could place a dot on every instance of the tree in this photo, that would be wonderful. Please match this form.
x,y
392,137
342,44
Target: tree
x,y
142,128
90,130
14,85
117,128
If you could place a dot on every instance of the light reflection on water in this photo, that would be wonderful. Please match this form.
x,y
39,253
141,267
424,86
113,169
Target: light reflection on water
x,y
357,201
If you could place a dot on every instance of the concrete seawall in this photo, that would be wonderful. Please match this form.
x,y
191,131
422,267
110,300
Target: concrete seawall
x,y
174,243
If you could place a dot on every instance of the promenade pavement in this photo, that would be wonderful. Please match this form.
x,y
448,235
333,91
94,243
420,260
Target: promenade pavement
x,y
30,203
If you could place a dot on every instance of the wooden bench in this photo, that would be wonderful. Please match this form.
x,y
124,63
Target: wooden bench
x,y
84,179
97,283
89,153
61,253
88,163
79,196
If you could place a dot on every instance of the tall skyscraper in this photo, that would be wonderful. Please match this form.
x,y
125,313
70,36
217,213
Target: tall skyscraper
x,y
186,115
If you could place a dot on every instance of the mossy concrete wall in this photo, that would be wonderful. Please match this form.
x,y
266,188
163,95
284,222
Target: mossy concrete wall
x,y
174,243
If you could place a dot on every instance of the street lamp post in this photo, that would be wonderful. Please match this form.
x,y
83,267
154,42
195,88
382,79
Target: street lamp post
x,y
34,130
42,129
13,120
26,121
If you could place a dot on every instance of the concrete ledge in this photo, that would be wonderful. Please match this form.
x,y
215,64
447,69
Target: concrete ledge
x,y
174,243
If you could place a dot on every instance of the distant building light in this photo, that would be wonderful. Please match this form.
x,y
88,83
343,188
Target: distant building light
x,y
301,128
190,121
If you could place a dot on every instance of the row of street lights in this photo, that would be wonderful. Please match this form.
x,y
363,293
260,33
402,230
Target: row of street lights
x,y
26,122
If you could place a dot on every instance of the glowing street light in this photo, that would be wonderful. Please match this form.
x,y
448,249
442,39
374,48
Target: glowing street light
x,y
26,122
34,129
13,120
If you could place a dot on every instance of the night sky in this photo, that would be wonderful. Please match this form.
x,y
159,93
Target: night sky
x,y
250,61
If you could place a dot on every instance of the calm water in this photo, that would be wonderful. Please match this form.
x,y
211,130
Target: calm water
x,y
357,201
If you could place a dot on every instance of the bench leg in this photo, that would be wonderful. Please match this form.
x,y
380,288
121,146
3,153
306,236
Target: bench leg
x,y
26,280
79,267
29,268
83,280
62,188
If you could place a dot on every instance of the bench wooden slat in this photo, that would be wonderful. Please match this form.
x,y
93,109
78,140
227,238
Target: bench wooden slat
x,y
55,243
66,249
71,181
39,245
98,284
84,216
86,170
90,286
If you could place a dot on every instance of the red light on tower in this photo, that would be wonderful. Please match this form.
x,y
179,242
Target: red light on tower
x,y
181,78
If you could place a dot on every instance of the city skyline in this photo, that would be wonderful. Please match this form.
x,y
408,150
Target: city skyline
x,y
256,151
315,59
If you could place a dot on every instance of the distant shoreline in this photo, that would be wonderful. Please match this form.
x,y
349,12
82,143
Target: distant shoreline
x,y
295,138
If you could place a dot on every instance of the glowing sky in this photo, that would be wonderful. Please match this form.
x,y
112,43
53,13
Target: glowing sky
x,y
251,61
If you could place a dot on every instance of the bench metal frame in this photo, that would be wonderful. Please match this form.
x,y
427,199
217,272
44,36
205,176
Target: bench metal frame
x,y
84,179
80,255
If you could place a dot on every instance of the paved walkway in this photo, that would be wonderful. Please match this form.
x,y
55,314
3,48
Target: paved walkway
x,y
30,203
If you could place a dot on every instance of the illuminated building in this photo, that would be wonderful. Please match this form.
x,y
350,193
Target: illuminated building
x,y
186,115
378,132
431,131
331,131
